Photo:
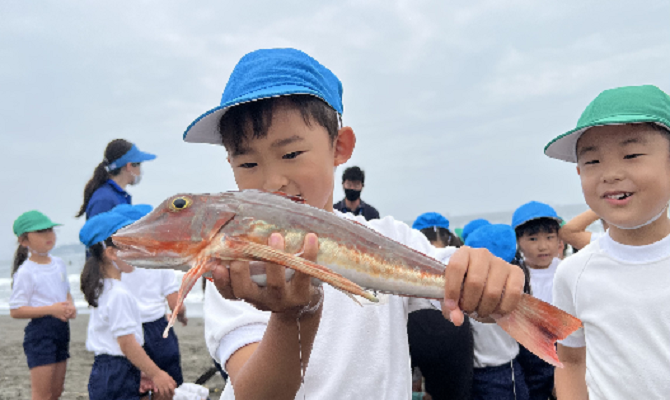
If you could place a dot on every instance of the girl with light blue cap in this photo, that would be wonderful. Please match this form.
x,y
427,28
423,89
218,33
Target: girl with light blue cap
x,y
120,167
115,329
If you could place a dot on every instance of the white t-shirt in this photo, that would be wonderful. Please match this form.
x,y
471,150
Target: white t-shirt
x,y
150,286
621,293
358,353
38,285
493,346
117,315
542,281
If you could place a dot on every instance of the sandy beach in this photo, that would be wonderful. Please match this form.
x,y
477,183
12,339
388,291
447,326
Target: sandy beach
x,y
15,376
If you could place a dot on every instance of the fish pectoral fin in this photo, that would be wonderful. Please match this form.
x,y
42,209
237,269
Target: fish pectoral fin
x,y
261,252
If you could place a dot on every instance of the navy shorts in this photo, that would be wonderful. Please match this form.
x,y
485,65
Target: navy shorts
x,y
46,341
113,378
164,352
496,383
539,374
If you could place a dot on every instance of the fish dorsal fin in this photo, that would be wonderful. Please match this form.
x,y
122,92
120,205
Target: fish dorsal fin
x,y
295,199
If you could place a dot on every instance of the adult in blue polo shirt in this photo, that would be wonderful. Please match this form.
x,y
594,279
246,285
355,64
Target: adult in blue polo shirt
x,y
120,168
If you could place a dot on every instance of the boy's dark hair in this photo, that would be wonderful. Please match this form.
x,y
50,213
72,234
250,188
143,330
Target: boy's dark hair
x,y
257,115
353,174
443,235
114,150
539,225
91,280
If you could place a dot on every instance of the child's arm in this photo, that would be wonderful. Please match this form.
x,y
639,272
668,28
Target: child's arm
x,y
57,310
162,382
271,368
574,231
571,379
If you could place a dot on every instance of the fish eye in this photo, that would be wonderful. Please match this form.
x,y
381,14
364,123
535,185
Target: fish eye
x,y
180,203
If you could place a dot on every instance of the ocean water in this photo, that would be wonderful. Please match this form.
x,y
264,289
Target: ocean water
x,y
74,261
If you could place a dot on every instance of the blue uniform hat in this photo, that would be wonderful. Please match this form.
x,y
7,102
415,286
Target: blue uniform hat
x,y
103,225
499,239
531,211
473,226
134,155
429,220
267,73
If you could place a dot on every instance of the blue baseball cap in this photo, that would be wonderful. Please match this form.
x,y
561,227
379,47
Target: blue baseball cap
x,y
429,220
134,155
267,73
473,226
499,239
103,225
533,210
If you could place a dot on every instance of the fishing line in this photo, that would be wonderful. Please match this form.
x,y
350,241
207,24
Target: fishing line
x,y
306,310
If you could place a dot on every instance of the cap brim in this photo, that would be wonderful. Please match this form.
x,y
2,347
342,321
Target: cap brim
x,y
557,219
142,157
205,128
564,147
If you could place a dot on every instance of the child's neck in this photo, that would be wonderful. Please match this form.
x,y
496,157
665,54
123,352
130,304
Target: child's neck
x,y
120,181
112,272
642,236
40,259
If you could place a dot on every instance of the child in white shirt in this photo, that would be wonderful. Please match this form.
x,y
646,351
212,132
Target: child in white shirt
x,y
618,285
114,328
537,225
41,292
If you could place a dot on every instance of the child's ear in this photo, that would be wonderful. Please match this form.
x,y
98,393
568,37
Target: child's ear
x,y
110,253
344,145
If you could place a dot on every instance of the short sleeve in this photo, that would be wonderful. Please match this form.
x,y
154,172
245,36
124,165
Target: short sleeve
x,y
121,308
63,270
22,289
169,282
565,283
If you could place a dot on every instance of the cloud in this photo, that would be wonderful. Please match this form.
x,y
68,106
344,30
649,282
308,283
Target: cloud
x,y
452,102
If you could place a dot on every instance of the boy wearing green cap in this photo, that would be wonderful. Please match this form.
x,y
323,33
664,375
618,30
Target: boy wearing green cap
x,y
280,121
618,286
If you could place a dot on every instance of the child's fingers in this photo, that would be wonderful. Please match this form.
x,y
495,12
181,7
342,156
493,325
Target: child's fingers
x,y
475,280
513,291
301,282
242,285
454,275
276,276
495,284
221,278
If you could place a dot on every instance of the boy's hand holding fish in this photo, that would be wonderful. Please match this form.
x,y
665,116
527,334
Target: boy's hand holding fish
x,y
278,295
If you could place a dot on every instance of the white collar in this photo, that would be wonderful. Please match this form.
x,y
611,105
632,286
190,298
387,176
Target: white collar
x,y
635,254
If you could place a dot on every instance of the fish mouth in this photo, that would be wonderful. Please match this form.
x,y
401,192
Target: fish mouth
x,y
150,254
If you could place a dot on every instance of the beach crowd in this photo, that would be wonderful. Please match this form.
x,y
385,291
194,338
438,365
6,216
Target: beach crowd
x,y
280,122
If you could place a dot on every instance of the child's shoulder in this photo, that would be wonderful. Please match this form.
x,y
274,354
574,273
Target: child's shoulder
x,y
576,262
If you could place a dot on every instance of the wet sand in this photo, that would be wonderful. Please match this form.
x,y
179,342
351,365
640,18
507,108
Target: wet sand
x,y
15,376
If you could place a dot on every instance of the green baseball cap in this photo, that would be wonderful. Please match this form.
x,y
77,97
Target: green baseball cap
x,y
619,106
32,221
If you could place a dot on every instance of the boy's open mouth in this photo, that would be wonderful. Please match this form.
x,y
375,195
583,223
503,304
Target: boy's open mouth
x,y
617,195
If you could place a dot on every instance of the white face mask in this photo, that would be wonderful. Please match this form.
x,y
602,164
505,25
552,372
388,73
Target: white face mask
x,y
136,178
654,218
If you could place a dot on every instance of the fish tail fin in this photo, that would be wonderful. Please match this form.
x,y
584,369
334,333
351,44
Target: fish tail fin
x,y
268,254
537,326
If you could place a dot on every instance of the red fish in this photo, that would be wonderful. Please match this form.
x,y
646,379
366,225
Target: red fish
x,y
195,232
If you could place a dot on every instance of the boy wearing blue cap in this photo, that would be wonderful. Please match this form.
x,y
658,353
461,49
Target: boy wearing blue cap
x,y
536,225
280,121
622,149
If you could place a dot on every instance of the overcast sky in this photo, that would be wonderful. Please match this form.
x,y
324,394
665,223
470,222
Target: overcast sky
x,y
452,104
